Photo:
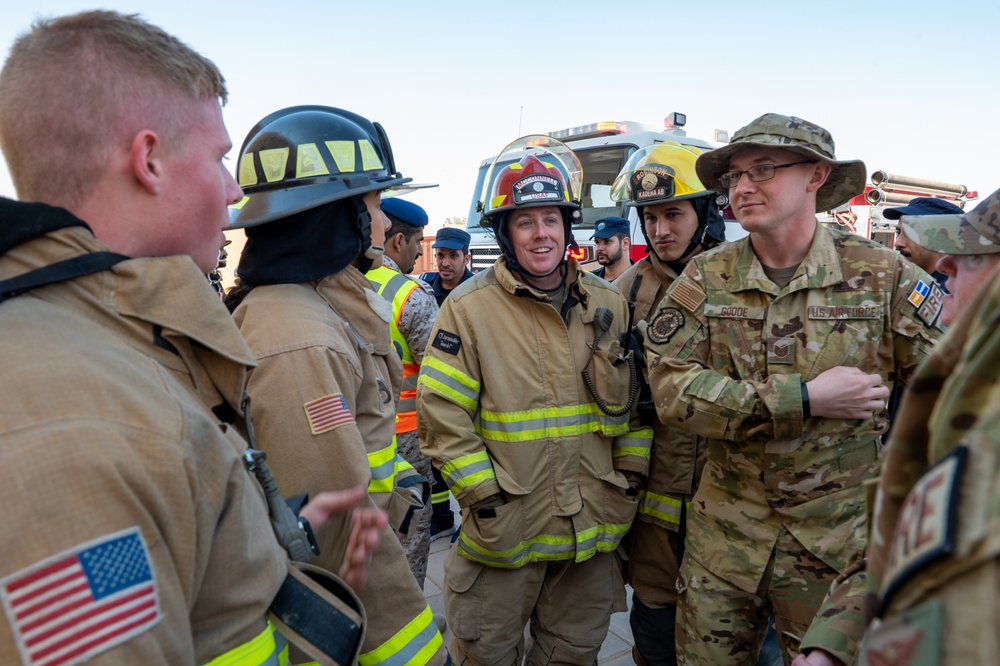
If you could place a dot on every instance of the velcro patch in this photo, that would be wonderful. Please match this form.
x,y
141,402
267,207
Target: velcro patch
x,y
913,638
931,308
733,311
781,351
687,295
328,413
83,601
449,343
666,322
919,293
845,311
927,525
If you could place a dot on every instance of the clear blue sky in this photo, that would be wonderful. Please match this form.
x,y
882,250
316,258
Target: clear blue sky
x,y
910,87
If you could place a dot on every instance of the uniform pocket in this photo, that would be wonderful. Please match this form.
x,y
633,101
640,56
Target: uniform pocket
x,y
464,596
619,507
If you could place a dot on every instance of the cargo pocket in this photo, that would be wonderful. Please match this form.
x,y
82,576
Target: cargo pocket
x,y
463,599
493,535
619,506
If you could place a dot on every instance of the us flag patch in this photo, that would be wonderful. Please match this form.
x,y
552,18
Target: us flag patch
x,y
68,608
327,413
687,295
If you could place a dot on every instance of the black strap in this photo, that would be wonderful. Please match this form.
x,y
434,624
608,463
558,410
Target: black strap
x,y
61,271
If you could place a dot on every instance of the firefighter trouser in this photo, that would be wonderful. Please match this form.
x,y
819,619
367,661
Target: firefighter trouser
x,y
568,605
652,572
721,625
440,501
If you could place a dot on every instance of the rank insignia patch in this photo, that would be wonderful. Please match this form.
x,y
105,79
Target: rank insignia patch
x,y
781,351
667,322
327,413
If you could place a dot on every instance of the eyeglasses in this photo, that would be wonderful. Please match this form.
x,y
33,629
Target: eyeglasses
x,y
757,173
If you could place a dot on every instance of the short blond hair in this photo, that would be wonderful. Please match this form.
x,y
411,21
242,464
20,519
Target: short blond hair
x,y
76,88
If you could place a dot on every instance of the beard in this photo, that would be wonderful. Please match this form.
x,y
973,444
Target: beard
x,y
611,259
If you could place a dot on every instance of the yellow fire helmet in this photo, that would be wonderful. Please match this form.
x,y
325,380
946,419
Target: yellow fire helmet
x,y
657,174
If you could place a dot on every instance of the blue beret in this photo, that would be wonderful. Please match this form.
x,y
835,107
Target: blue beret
x,y
404,211
451,238
606,227
923,206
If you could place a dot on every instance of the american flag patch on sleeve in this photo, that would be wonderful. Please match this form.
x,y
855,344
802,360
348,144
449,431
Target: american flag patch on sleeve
x,y
70,607
327,413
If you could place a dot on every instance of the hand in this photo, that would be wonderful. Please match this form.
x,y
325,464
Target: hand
x,y
817,658
846,393
363,532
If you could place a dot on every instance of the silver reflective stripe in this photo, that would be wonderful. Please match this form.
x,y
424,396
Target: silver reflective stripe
x,y
433,373
456,474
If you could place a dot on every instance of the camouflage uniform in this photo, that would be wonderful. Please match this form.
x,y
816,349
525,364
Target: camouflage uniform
x,y
414,311
780,511
933,556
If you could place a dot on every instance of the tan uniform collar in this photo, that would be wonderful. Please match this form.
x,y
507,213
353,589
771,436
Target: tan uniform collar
x,y
139,294
511,284
350,295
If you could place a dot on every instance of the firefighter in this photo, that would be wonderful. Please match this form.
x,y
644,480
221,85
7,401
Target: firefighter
x,y
525,403
781,348
328,375
132,531
680,218
413,313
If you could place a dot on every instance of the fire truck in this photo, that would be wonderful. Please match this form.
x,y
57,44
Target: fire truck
x,y
863,214
603,148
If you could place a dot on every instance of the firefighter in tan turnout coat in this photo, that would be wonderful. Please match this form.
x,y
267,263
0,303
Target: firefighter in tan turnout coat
x,y
543,459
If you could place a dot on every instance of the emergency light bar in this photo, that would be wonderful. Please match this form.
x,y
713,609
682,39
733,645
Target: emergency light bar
x,y
603,128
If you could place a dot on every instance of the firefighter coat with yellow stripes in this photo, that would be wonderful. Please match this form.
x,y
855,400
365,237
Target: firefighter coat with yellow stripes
x,y
675,466
118,468
503,410
324,411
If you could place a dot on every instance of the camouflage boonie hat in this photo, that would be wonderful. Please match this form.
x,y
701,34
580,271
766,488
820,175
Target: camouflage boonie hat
x,y
772,130
975,232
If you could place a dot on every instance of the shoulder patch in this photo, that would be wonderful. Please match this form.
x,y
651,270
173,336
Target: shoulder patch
x,y
930,309
687,295
928,521
919,293
328,413
666,322
83,601
449,343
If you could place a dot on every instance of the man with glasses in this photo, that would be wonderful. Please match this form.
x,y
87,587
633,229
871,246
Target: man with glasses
x,y
781,349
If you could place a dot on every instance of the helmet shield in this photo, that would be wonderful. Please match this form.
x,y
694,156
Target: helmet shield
x,y
535,170
658,174
302,157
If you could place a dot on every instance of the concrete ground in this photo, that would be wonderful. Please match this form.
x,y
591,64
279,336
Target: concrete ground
x,y
617,648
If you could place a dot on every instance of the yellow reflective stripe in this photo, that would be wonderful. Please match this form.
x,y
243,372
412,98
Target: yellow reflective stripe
x,y
453,384
662,507
544,547
383,464
392,286
268,648
440,498
634,443
468,470
413,645
548,422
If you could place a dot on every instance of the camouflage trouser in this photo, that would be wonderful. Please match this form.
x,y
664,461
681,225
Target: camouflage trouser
x,y
417,541
954,619
568,605
719,624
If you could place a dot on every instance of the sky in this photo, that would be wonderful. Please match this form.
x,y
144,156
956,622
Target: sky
x,y
911,88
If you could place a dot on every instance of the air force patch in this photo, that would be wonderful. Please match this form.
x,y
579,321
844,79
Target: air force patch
x,y
666,322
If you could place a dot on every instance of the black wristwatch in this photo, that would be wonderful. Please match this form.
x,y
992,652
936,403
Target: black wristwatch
x,y
806,412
